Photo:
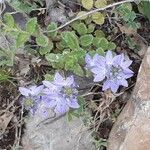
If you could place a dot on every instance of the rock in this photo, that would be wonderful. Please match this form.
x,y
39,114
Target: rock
x,y
56,134
132,129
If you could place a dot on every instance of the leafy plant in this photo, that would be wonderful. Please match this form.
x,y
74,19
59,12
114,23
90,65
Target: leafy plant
x,y
6,57
73,46
4,75
144,8
25,6
96,17
100,144
128,15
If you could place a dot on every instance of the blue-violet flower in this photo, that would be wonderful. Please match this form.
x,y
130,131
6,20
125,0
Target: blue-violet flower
x,y
61,94
32,97
114,70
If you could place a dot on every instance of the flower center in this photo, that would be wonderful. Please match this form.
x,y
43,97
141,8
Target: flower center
x,y
113,72
28,102
68,91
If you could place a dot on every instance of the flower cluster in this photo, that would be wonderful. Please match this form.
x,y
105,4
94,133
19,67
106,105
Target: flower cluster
x,y
60,95
114,70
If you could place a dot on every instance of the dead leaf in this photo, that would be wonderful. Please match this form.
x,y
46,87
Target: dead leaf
x,y
140,41
127,31
5,120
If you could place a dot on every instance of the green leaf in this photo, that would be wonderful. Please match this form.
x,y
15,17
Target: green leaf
x,y
144,8
111,46
51,57
103,43
82,29
78,70
82,13
86,40
100,3
45,50
21,39
70,63
99,33
100,51
91,28
9,20
98,18
31,25
52,26
71,40
79,55
130,16
133,24
75,24
69,116
49,77
88,20
42,40
96,41
87,4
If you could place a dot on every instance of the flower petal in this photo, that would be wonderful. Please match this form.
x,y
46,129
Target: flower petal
x,y
99,74
48,84
123,82
37,90
106,85
118,59
73,103
24,91
58,78
61,108
126,64
109,58
88,60
114,87
70,81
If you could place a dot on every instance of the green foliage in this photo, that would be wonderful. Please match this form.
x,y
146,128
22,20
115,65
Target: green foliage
x,y
31,25
47,49
91,28
132,44
98,18
6,57
21,39
25,6
82,29
50,27
100,3
100,143
63,50
42,40
86,40
4,75
128,15
71,40
78,112
144,8
103,43
49,77
9,20
87,4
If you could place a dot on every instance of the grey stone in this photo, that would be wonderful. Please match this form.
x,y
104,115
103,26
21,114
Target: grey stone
x,y
132,129
56,134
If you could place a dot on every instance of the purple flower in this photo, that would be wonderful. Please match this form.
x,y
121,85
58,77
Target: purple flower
x,y
92,62
114,70
61,94
31,91
32,97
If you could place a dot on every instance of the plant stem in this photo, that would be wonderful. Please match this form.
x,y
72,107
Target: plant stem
x,y
89,13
